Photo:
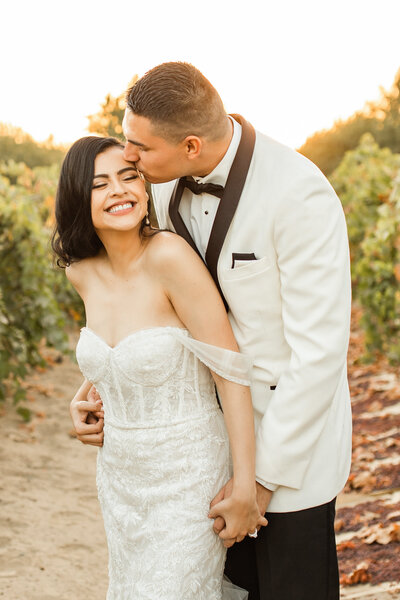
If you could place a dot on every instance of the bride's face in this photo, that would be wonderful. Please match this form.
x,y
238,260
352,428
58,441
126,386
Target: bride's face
x,y
119,199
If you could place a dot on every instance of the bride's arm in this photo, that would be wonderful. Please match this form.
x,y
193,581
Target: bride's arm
x,y
195,298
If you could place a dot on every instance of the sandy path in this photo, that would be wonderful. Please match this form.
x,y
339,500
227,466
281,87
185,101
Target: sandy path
x,y
52,542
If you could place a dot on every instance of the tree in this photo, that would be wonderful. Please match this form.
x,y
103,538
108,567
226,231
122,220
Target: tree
x,y
387,115
368,183
363,182
36,300
108,120
18,146
326,148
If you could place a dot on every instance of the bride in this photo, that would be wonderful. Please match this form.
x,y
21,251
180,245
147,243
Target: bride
x,y
156,340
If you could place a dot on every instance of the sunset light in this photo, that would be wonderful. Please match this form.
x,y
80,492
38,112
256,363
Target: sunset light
x,y
290,67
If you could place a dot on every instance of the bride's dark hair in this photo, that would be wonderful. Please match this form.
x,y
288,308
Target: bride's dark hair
x,y
74,236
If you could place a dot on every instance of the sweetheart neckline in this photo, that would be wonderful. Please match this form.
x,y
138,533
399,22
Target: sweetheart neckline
x,y
133,333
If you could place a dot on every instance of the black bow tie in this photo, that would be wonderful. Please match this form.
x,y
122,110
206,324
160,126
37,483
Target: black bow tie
x,y
203,188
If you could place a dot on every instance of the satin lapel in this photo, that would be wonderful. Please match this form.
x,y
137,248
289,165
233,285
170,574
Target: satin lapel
x,y
230,199
181,228
176,218
227,206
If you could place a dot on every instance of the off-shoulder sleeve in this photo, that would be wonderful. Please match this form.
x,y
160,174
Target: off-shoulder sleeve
x,y
230,365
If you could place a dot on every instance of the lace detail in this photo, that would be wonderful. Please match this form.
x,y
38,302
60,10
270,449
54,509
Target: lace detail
x,y
165,456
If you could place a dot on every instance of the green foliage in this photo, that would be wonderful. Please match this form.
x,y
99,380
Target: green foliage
x,y
363,181
381,119
367,181
20,147
36,300
326,148
378,278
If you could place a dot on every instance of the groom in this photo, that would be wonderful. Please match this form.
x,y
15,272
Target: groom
x,y
272,233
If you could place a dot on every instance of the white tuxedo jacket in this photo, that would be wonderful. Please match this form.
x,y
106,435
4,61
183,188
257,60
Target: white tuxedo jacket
x,y
289,306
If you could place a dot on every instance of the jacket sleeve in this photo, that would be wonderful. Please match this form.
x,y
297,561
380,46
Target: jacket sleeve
x,y
311,244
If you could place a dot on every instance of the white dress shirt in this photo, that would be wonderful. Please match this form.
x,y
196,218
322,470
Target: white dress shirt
x,y
198,211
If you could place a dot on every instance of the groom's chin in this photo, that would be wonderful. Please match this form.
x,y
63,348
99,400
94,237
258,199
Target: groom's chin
x,y
151,179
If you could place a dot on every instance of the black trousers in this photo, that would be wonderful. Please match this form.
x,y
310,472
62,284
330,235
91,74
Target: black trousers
x,y
293,558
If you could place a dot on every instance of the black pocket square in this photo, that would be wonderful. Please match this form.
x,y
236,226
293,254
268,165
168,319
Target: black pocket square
x,y
242,256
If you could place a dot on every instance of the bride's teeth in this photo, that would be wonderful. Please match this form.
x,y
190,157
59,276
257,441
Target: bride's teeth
x,y
114,209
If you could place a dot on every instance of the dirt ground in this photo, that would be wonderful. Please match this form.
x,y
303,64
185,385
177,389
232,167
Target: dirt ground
x,y
52,541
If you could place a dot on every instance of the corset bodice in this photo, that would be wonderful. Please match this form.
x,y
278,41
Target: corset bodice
x,y
148,378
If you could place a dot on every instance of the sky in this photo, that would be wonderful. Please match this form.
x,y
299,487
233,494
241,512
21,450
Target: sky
x,y
291,67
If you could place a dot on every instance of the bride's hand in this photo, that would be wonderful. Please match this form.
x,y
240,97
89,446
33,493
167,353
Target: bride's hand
x,y
241,515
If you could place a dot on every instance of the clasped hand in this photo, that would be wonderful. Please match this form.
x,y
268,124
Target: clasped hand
x,y
88,417
236,514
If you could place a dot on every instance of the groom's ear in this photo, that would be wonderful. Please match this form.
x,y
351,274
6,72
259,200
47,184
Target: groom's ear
x,y
193,146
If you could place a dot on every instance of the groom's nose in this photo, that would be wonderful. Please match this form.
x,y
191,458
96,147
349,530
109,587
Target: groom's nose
x,y
130,153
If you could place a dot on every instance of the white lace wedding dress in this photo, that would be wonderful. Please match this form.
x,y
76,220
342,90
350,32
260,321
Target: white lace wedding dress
x,y
165,456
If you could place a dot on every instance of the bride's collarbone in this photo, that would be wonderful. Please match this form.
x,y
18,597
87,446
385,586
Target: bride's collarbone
x,y
121,309
127,301
137,282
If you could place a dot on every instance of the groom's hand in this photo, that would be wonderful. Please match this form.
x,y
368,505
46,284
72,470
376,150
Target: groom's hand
x,y
88,418
263,497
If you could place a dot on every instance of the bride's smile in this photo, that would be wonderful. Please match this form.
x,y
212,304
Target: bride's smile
x,y
120,208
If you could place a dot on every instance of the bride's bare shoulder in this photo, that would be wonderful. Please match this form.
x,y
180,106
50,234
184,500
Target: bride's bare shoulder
x,y
78,272
172,261
167,248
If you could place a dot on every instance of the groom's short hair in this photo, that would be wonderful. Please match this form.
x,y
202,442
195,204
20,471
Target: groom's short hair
x,y
179,101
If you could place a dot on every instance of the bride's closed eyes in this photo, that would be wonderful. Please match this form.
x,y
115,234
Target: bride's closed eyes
x,y
130,174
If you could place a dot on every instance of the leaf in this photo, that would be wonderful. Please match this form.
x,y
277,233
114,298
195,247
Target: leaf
x,y
339,524
25,413
359,575
346,545
364,480
382,535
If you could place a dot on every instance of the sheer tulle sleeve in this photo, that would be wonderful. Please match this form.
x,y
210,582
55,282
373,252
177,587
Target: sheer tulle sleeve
x,y
233,592
230,365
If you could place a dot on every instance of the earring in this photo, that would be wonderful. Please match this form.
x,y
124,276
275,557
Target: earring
x,y
147,221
